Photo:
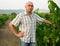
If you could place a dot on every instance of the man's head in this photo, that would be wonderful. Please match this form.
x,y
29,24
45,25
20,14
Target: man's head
x,y
29,6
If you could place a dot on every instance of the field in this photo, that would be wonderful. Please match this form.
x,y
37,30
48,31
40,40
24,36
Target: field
x,y
46,35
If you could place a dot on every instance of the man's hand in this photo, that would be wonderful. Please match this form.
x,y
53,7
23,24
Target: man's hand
x,y
48,22
54,25
20,34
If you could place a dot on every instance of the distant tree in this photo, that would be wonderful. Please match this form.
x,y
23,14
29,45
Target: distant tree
x,y
4,14
13,13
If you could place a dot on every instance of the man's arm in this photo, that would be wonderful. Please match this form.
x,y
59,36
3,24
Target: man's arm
x,y
20,34
39,19
48,22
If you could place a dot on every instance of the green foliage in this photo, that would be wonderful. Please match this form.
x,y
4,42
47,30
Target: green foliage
x,y
12,16
49,0
13,13
3,19
46,34
1,23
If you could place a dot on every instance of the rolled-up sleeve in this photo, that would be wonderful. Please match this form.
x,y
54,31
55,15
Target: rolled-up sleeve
x,y
39,19
16,20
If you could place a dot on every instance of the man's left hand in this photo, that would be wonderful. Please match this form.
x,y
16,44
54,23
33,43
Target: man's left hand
x,y
54,25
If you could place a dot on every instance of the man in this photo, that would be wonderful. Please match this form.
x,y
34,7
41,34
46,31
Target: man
x,y
27,25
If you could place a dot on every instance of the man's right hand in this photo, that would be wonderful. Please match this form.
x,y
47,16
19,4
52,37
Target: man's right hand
x,y
20,34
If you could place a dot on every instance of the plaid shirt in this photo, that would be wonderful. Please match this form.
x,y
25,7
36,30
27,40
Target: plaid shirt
x,y
28,25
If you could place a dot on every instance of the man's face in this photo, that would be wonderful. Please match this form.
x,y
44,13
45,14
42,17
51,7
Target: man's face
x,y
29,7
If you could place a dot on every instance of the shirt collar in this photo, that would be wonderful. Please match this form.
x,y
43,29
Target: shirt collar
x,y
25,12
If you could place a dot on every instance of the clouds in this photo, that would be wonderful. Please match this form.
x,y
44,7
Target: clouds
x,y
19,4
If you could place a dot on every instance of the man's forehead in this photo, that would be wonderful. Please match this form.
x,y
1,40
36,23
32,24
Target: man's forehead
x,y
29,3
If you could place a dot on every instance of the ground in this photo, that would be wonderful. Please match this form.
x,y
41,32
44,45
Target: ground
x,y
7,38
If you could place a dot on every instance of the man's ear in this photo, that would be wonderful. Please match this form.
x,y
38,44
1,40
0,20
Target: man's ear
x,y
25,6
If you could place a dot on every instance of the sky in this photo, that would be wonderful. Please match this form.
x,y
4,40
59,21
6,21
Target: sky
x,y
20,4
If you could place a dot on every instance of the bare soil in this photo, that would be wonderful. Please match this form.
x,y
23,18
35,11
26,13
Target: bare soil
x,y
7,38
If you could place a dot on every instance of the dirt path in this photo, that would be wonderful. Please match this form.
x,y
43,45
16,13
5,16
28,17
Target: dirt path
x,y
7,38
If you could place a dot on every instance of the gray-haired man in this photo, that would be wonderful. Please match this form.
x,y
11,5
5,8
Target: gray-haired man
x,y
27,25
